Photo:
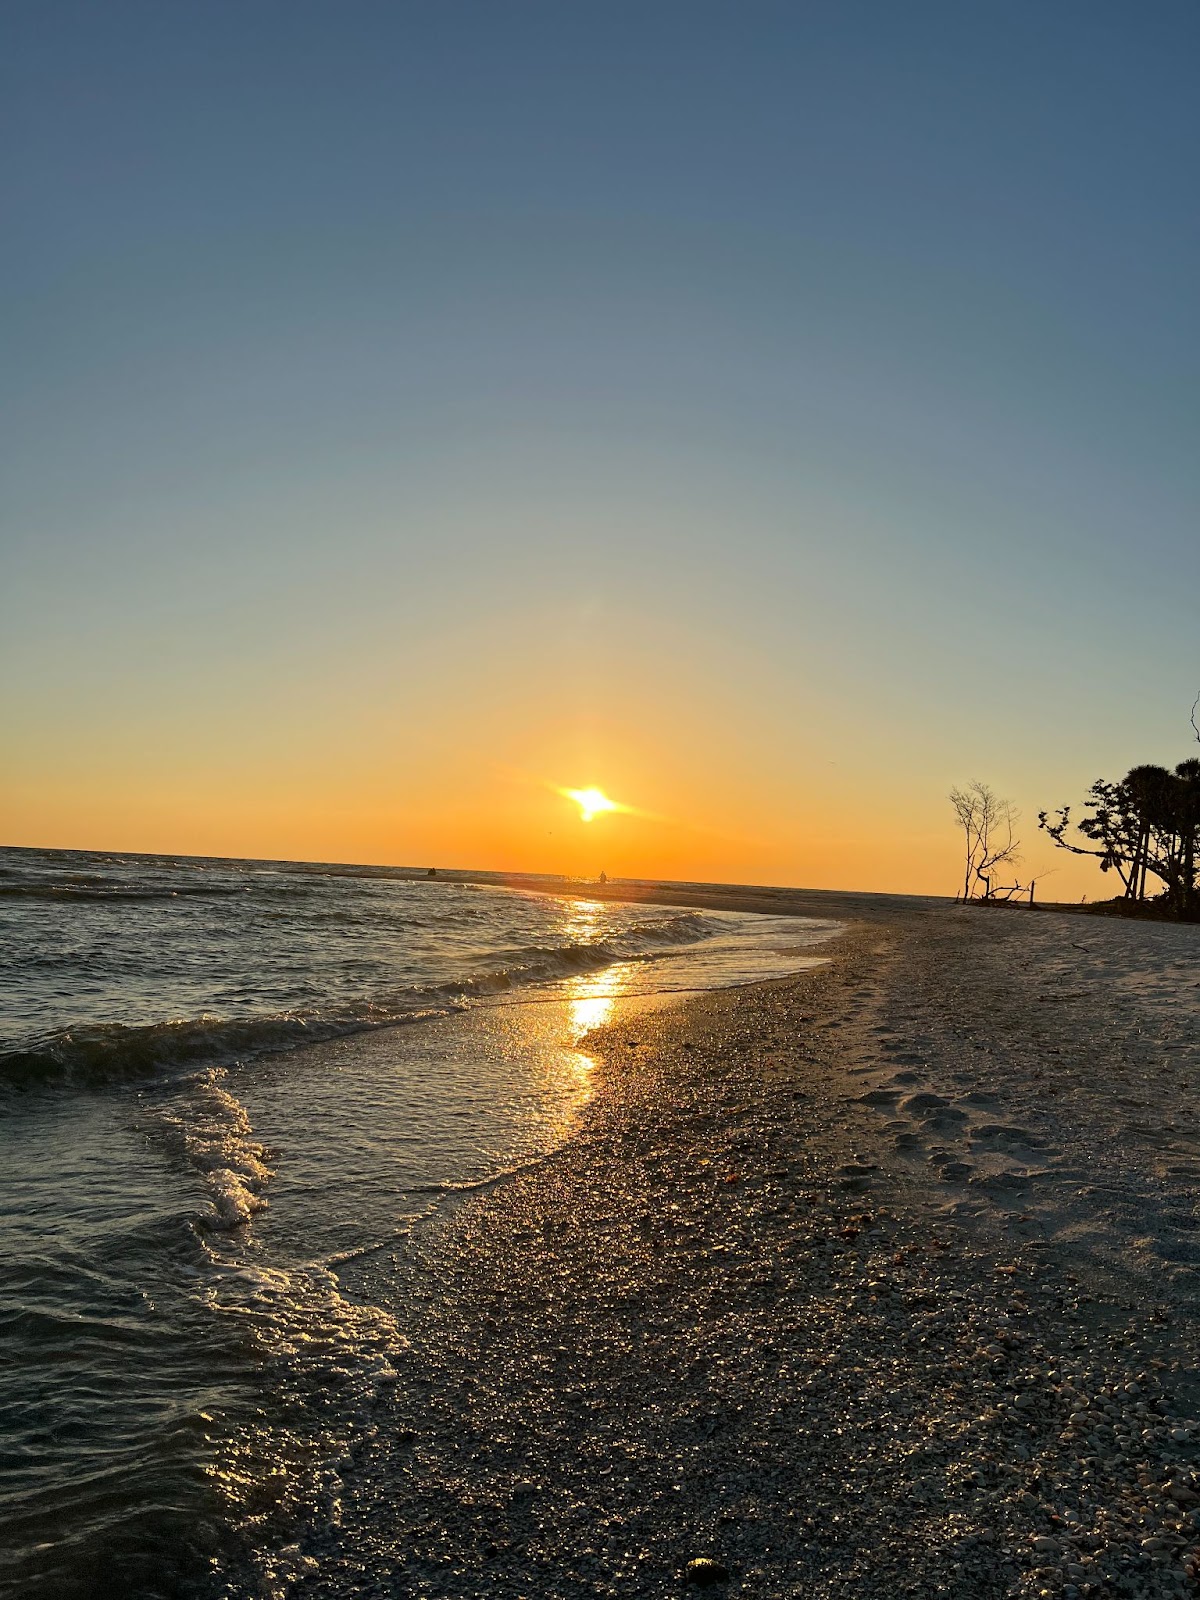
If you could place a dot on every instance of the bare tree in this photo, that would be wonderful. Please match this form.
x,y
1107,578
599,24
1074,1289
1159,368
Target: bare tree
x,y
987,821
1195,724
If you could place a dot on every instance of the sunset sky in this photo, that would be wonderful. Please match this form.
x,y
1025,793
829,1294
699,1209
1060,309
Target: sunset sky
x,y
771,414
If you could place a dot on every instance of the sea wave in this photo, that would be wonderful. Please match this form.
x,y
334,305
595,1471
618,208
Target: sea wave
x,y
105,892
107,1052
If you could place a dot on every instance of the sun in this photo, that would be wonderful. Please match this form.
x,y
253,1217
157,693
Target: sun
x,y
591,802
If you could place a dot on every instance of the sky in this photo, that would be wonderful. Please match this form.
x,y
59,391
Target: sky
x,y
771,414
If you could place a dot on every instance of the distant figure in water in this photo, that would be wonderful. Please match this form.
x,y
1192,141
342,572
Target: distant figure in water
x,y
432,873
604,877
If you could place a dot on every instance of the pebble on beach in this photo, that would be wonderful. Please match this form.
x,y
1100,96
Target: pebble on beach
x,y
704,1571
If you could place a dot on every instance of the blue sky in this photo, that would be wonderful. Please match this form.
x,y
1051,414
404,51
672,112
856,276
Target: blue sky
x,y
837,360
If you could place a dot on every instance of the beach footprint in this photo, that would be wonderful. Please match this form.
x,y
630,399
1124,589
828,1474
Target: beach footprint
x,y
1005,1136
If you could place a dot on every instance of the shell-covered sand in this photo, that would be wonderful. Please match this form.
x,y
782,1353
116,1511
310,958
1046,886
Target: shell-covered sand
x,y
881,1281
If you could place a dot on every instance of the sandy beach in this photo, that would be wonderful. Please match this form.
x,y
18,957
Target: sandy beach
x,y
883,1280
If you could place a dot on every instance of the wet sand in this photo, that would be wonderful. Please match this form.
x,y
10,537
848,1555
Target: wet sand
x,y
883,1280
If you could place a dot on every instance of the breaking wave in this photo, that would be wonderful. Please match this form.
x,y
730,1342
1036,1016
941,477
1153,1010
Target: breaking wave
x,y
107,1052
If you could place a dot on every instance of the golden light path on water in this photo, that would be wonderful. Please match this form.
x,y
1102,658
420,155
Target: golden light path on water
x,y
593,1007
590,998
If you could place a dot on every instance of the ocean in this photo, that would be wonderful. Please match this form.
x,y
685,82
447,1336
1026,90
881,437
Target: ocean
x,y
229,1090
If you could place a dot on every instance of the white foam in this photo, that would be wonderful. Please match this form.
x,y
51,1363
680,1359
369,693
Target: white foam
x,y
211,1129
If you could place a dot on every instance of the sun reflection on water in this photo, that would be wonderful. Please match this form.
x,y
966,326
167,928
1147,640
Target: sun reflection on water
x,y
589,1011
584,918
590,1005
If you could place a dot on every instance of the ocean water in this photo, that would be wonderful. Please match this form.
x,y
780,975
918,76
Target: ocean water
x,y
227,1089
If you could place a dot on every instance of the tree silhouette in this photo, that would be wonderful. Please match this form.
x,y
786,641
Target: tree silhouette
x,y
1145,825
987,821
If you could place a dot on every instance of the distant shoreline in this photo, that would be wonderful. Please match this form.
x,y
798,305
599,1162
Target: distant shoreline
x,y
780,899
726,896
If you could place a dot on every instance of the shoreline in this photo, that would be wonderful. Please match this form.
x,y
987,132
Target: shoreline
x,y
836,904
703,896
798,1299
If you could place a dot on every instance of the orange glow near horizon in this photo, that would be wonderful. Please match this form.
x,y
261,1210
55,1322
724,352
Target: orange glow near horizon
x,y
461,795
